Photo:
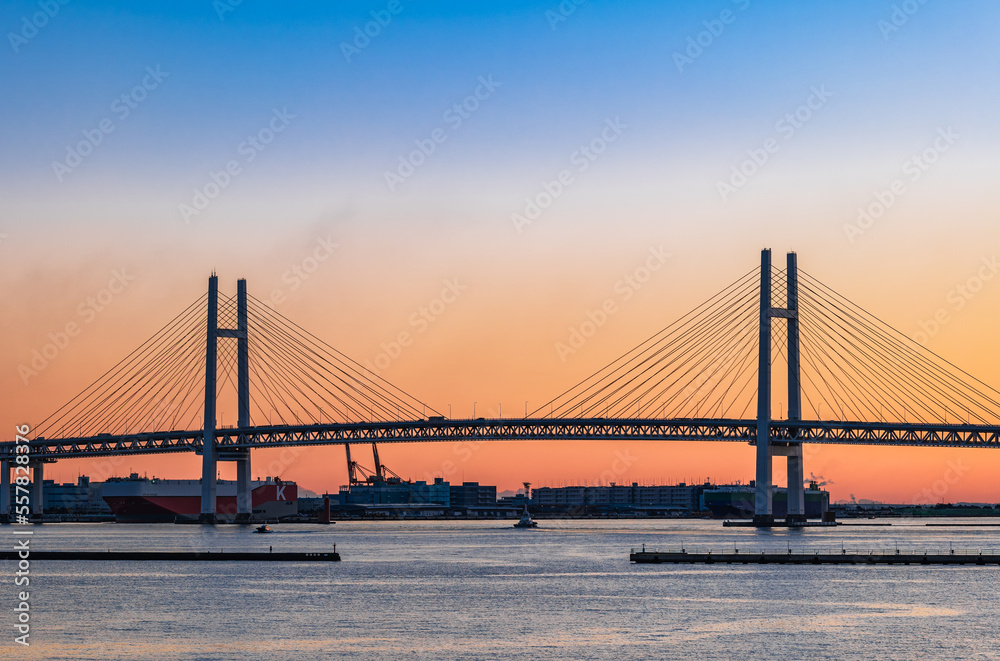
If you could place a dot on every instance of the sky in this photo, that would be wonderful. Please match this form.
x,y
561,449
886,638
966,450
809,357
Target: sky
x,y
535,153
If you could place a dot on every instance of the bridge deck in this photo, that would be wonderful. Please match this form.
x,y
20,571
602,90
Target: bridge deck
x,y
518,429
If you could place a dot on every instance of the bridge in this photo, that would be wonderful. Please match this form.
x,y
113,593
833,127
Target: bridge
x,y
708,376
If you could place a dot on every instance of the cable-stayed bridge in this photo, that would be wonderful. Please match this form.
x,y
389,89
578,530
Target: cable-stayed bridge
x,y
848,378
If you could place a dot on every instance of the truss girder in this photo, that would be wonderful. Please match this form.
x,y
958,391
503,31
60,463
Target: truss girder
x,y
530,429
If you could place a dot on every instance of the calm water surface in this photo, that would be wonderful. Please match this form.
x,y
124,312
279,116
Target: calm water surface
x,y
483,590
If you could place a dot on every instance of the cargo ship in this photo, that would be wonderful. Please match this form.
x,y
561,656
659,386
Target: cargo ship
x,y
737,501
135,499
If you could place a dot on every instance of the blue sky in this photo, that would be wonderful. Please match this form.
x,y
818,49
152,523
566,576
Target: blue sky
x,y
605,60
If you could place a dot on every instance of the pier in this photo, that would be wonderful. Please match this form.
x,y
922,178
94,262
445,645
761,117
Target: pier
x,y
818,557
781,524
200,556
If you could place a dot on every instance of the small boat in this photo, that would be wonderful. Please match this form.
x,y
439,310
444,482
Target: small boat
x,y
526,521
263,528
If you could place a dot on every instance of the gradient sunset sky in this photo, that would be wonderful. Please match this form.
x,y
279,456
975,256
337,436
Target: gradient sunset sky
x,y
835,99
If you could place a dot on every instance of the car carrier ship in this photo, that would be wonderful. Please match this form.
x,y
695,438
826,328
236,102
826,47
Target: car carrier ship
x,y
737,501
135,499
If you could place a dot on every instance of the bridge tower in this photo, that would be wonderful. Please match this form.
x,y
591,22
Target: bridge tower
x,y
211,456
766,450
5,491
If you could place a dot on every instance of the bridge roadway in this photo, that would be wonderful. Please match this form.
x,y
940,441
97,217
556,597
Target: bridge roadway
x,y
517,429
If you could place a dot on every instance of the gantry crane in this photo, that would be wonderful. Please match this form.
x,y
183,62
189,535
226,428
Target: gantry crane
x,y
370,477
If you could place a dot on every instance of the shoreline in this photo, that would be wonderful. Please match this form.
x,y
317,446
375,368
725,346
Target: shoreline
x,y
847,520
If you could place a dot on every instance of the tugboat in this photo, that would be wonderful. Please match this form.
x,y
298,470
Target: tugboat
x,y
526,520
263,529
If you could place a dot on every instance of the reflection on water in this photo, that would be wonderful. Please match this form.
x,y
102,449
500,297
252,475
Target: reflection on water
x,y
482,590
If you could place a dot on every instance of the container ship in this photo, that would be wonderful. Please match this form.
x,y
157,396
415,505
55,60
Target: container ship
x,y
135,499
737,501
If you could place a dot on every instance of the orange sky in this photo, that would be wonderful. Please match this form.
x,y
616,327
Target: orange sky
x,y
495,346
652,184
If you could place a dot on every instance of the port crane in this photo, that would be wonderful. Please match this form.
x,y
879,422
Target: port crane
x,y
382,473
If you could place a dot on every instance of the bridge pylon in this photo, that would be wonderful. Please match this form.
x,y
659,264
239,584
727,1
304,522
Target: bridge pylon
x,y
766,450
210,455
5,491
37,468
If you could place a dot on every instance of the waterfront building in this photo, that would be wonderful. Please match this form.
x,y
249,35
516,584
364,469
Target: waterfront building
x,y
680,497
397,492
473,494
81,497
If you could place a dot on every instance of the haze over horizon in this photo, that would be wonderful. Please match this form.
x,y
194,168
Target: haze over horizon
x,y
484,178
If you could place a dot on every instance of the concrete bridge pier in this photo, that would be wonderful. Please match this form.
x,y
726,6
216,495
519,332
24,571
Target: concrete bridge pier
x,y
244,493
762,501
210,454
5,491
37,490
796,512
796,497
766,449
796,493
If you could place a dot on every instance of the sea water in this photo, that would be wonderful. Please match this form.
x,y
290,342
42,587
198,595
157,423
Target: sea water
x,y
484,590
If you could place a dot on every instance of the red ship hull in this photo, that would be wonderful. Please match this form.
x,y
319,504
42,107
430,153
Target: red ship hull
x,y
157,501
